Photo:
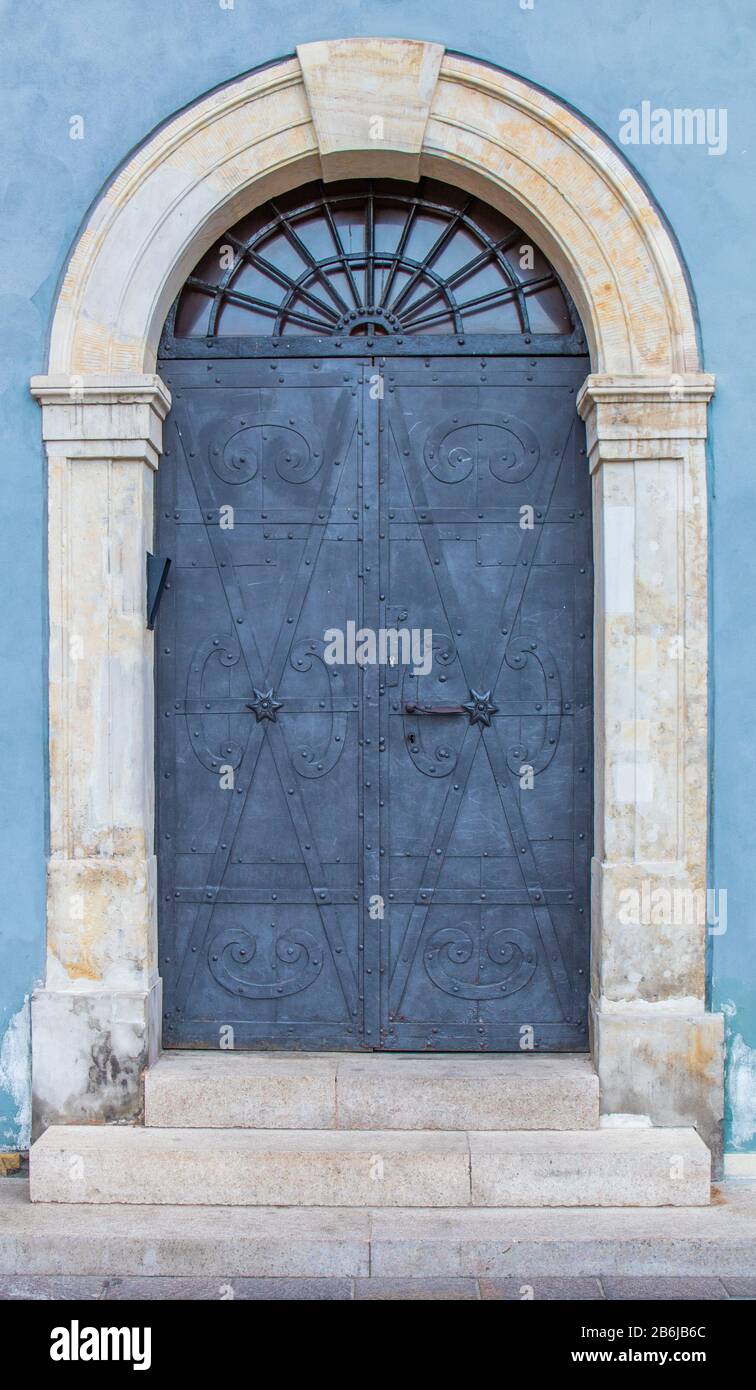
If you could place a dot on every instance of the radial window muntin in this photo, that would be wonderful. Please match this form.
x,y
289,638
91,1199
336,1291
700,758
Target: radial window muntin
x,y
373,259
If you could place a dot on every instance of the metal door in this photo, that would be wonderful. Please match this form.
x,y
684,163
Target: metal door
x,y
485,519
356,856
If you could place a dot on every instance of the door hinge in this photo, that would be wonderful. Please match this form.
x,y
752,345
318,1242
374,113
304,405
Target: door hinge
x,y
157,573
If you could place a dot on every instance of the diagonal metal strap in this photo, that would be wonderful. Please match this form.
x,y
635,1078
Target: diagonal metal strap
x,y
432,867
253,661
507,618
528,868
337,446
523,566
237,800
312,862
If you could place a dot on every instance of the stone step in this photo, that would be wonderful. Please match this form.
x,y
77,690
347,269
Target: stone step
x,y
311,1242
370,1168
282,1090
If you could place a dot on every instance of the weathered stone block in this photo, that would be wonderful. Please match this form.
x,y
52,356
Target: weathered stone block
x,y
90,1052
238,1090
481,1092
590,1168
309,1168
664,1064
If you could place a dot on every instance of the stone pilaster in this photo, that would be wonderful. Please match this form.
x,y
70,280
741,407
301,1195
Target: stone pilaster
x,y
96,1021
658,1052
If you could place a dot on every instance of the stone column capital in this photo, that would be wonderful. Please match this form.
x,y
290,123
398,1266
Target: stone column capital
x,y
103,417
632,418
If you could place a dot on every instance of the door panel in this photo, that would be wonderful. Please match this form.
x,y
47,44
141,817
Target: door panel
x,y
340,867
486,518
258,831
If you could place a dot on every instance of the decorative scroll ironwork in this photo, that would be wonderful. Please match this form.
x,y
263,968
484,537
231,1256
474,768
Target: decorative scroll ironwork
x,y
224,649
505,444
236,457
529,647
507,946
306,760
239,946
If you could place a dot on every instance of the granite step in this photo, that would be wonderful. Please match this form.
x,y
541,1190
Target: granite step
x,y
370,1168
525,1244
280,1090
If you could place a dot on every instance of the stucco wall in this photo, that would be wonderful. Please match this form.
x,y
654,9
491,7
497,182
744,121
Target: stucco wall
x,y
126,65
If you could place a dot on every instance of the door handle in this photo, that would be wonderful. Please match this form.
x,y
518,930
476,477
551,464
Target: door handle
x,y
434,709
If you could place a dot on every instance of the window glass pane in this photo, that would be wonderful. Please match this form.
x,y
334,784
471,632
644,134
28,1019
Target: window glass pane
x,y
192,314
235,319
547,311
502,319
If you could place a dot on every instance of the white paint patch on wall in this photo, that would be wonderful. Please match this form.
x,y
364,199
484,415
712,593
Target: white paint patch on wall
x,y
15,1077
741,1091
619,548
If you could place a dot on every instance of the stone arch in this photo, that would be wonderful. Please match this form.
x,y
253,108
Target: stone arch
x,y
376,107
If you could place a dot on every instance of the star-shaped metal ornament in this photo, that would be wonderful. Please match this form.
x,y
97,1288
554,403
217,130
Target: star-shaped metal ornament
x,y
265,705
480,707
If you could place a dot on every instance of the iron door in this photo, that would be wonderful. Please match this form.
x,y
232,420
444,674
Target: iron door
x,y
486,541
357,856
259,840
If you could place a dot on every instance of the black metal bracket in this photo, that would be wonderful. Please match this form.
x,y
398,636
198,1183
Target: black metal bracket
x,y
434,709
157,573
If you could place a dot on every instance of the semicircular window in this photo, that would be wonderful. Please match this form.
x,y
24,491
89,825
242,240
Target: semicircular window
x,y
373,257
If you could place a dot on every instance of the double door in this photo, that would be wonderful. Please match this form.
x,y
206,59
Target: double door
x,y
374,720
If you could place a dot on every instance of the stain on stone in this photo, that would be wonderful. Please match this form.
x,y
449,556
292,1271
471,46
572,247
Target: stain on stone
x,y
114,1081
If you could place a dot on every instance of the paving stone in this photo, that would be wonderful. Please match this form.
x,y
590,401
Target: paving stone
x,y
740,1286
41,1287
229,1290
524,1290
416,1290
313,1290
663,1288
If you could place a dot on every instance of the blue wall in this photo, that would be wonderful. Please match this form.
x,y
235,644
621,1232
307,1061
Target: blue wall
x,y
125,66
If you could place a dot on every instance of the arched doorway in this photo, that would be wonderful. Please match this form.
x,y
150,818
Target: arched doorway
x,y
374,706
657,1049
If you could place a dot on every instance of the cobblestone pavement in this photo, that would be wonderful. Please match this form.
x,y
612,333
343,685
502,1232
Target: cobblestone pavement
x,y
612,1287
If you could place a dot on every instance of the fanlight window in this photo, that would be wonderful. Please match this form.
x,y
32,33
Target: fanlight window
x,y
373,258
